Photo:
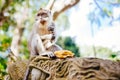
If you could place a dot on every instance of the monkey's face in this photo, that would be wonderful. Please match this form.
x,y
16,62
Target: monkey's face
x,y
43,16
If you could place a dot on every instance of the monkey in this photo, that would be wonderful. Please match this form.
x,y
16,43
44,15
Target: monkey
x,y
43,35
42,40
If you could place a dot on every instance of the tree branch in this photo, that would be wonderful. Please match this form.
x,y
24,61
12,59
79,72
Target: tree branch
x,y
16,40
63,6
50,4
2,10
18,32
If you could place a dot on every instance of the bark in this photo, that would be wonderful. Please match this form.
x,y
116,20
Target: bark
x,y
68,69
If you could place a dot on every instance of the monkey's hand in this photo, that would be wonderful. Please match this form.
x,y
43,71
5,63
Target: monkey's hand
x,y
47,44
48,54
48,36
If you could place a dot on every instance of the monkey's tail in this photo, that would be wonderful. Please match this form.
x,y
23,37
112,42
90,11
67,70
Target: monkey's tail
x,y
11,56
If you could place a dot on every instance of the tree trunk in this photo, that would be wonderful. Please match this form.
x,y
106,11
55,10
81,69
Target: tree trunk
x,y
16,40
18,32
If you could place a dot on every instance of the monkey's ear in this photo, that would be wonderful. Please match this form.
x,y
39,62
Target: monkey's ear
x,y
50,11
40,9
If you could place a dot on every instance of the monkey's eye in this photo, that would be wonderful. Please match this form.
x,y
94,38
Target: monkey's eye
x,y
44,15
38,14
50,12
36,19
50,29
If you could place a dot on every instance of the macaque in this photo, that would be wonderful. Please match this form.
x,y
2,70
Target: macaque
x,y
43,35
42,40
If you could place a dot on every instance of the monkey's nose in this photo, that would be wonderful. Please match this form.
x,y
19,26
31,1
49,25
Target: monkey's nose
x,y
42,21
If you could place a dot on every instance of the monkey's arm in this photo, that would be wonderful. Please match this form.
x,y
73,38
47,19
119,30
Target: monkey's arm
x,y
47,43
36,45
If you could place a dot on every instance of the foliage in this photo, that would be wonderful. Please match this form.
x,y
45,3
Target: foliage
x,y
4,42
106,51
24,49
68,43
101,52
103,9
3,66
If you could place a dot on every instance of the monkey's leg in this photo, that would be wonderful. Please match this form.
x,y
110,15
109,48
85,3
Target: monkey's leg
x,y
38,75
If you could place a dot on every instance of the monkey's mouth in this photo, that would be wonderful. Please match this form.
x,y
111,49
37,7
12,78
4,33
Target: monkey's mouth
x,y
43,22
